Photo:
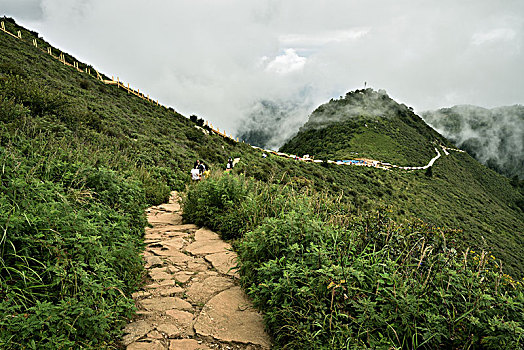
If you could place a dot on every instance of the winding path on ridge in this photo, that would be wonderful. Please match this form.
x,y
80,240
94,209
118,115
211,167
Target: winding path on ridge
x,y
369,163
191,299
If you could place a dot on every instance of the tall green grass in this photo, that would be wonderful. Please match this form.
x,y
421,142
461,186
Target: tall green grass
x,y
330,278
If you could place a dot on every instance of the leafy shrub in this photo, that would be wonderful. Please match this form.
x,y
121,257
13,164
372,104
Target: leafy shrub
x,y
39,100
376,285
331,279
207,201
71,253
11,111
85,84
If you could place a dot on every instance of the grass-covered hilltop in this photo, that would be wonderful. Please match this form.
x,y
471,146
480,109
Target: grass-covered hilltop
x,y
334,256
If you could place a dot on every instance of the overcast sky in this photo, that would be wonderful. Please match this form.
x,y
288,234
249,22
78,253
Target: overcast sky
x,y
218,58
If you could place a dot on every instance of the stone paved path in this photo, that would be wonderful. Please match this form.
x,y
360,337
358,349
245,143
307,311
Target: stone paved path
x,y
191,299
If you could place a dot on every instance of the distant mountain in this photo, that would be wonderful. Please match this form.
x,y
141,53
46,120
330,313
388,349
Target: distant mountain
x,y
495,137
270,123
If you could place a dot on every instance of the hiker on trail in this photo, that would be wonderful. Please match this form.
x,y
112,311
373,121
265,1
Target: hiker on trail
x,y
201,167
195,173
229,165
204,171
264,155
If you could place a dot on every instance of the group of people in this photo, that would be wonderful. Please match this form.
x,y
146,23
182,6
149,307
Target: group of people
x,y
199,170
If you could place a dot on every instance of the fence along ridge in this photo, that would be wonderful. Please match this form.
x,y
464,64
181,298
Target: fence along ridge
x,y
61,58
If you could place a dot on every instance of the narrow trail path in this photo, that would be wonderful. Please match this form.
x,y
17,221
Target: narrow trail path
x,y
192,299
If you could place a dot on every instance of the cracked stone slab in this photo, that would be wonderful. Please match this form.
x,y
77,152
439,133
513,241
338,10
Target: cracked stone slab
x,y
183,276
152,237
177,242
207,247
167,292
164,250
201,292
159,230
155,335
140,294
228,316
178,258
186,344
176,234
165,303
169,329
184,227
205,234
170,207
152,241
146,345
183,320
153,261
161,284
160,273
197,265
224,262
164,218
136,330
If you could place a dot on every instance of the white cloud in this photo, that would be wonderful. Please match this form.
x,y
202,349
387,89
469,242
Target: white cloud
x,y
494,35
319,39
287,63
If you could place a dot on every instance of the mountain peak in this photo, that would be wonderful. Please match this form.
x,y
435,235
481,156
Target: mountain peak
x,y
369,123
366,103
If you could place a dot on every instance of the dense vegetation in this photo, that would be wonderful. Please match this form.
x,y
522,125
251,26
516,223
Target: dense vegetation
x,y
495,137
331,278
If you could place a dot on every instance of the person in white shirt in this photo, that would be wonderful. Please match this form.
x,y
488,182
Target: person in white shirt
x,y
195,174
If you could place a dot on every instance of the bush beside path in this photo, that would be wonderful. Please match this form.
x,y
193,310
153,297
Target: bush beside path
x,y
191,299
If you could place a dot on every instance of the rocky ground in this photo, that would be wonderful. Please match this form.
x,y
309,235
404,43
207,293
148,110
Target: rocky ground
x,y
191,299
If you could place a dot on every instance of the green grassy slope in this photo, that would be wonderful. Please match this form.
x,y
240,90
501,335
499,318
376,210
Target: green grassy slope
x,y
459,192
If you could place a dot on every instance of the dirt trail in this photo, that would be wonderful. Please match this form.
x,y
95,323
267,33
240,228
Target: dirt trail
x,y
191,299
